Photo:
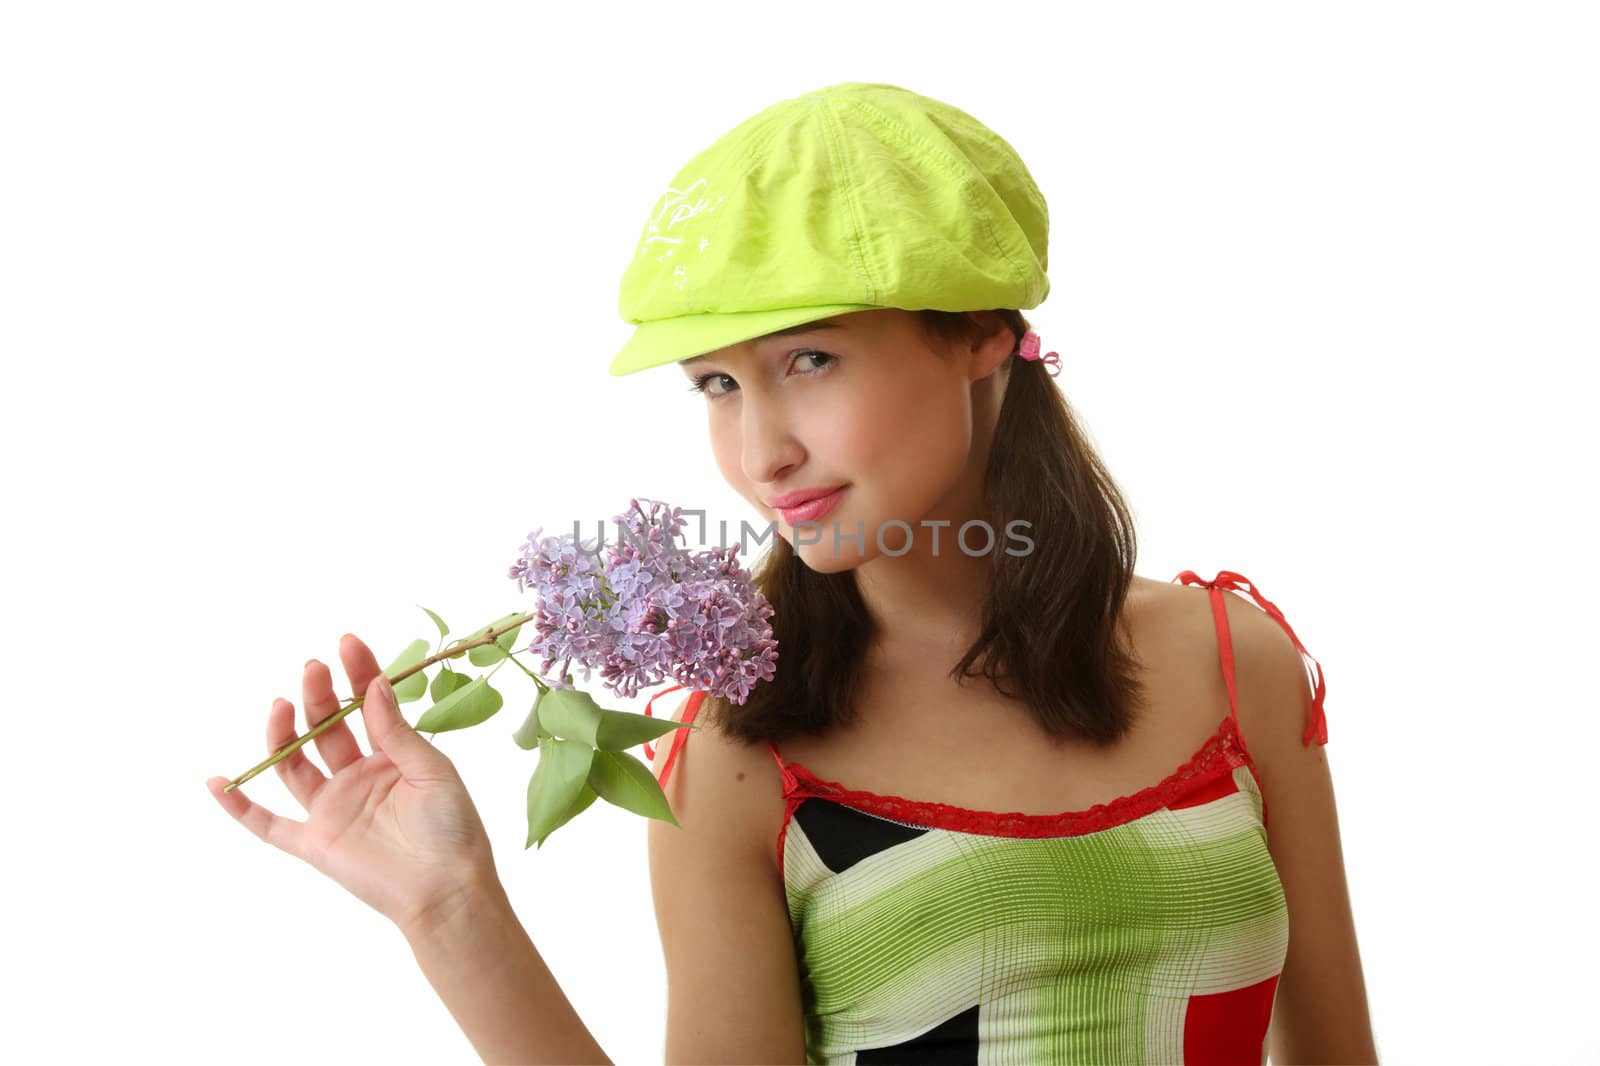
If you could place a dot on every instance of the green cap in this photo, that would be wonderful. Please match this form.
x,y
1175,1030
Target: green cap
x,y
855,196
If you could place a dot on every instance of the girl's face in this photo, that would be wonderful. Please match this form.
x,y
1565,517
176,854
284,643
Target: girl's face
x,y
863,401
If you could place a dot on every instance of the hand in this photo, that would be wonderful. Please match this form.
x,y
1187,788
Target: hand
x,y
396,827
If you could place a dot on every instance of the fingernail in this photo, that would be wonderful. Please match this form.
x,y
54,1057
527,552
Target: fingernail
x,y
385,689
310,661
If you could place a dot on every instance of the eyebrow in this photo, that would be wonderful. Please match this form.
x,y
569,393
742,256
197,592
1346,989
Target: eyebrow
x,y
804,327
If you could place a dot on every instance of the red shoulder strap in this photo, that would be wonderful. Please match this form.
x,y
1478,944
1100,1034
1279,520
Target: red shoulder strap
x,y
1219,618
649,751
690,709
1317,727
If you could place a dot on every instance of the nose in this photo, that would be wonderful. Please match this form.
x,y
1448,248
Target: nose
x,y
768,447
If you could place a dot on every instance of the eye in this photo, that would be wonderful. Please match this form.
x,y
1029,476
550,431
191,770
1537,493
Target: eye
x,y
699,384
811,353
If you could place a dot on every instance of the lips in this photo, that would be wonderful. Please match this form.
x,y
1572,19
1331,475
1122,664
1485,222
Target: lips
x,y
812,509
800,496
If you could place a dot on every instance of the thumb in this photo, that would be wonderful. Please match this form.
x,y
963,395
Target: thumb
x,y
389,730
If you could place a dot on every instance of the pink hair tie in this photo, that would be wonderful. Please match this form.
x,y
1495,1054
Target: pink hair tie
x,y
1030,351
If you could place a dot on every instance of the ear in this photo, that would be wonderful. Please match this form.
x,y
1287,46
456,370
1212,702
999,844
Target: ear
x,y
991,345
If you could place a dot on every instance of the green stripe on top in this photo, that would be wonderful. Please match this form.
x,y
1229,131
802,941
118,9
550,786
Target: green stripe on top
x,y
1080,948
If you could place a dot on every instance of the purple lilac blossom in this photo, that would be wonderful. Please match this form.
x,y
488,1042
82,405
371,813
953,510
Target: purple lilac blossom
x,y
651,610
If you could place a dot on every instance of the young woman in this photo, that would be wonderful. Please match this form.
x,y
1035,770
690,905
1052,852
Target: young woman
x,y
1005,800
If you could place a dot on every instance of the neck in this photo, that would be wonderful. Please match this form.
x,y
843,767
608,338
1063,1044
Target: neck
x,y
931,597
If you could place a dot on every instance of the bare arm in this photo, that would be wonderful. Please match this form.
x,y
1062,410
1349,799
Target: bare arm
x,y
479,959
1320,1013
733,983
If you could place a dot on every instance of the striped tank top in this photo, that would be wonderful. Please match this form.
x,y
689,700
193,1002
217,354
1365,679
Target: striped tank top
x,y
1152,928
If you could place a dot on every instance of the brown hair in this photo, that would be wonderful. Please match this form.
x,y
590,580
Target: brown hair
x,y
1049,623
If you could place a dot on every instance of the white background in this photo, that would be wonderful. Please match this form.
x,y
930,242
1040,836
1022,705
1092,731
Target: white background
x,y
305,312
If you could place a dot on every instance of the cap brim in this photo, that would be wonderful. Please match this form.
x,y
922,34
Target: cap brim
x,y
671,340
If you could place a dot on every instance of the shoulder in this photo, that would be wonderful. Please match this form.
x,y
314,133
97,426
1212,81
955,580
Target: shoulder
x,y
1263,652
726,785
1274,690
1272,685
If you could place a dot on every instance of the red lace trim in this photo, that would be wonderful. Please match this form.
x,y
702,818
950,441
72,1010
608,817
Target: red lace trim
x,y
1217,756
1317,725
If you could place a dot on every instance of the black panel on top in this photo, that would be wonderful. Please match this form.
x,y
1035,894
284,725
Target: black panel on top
x,y
843,836
949,1043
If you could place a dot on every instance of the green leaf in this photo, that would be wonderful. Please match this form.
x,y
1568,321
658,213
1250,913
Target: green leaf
x,y
556,786
414,686
621,779
508,639
570,713
623,729
474,702
446,682
413,654
485,654
489,654
586,796
530,732
444,630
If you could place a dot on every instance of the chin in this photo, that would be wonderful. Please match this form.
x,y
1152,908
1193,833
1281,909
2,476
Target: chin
x,y
823,557
818,558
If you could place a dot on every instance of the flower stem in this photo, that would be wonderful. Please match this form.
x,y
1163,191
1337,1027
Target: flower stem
x,y
454,651
537,680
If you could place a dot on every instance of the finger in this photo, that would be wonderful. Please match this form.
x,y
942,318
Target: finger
x,y
391,734
303,777
337,744
285,834
360,665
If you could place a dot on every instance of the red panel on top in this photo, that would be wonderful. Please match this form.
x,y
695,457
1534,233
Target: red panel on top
x,y
1211,790
1229,1027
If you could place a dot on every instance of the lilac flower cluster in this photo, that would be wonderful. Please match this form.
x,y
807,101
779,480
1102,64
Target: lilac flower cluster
x,y
651,610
